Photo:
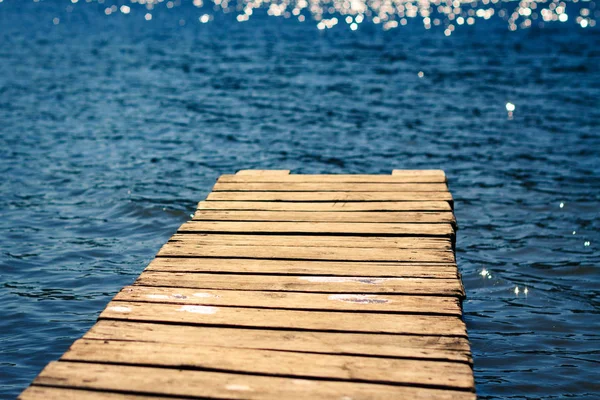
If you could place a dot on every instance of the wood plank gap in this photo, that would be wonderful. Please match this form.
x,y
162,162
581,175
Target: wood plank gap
x,y
255,362
330,196
142,380
329,321
391,304
46,392
384,345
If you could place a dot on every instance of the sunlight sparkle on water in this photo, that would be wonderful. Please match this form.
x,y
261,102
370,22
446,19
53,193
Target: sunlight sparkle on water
x,y
390,14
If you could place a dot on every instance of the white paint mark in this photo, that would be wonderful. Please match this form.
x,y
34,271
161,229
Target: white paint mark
x,y
358,298
241,388
303,382
204,295
336,279
119,309
157,296
198,309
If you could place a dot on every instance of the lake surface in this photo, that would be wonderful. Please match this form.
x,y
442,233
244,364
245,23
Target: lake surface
x,y
114,124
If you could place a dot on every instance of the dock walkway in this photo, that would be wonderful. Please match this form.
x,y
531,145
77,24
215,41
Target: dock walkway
x,y
288,287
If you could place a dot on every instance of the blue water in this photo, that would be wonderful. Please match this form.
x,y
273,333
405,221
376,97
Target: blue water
x,y
112,127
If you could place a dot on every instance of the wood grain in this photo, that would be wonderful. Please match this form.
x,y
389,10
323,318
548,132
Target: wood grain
x,y
218,385
294,301
285,319
315,284
311,268
275,363
418,172
263,172
335,178
359,229
54,393
330,196
375,242
316,216
448,348
331,206
327,187
186,249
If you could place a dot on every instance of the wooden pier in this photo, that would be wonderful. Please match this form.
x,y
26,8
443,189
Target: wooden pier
x,y
288,287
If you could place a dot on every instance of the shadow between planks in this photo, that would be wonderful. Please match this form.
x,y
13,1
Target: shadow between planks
x,y
288,286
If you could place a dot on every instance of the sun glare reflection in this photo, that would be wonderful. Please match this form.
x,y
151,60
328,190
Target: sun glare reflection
x,y
390,14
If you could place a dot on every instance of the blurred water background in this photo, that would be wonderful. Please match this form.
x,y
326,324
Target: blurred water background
x,y
117,117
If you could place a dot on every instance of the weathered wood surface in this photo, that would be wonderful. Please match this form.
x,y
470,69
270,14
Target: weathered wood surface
x,y
293,300
56,393
304,267
186,249
274,363
317,284
328,187
222,385
331,206
288,287
437,243
285,319
330,196
263,172
330,228
449,348
285,178
316,216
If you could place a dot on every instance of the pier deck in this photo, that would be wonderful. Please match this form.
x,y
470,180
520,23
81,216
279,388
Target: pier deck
x,y
288,287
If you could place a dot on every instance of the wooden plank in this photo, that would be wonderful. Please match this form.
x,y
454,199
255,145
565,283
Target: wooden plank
x,y
285,319
263,172
375,242
187,249
276,363
218,385
327,187
448,348
329,196
359,229
317,284
316,216
334,178
293,301
53,393
295,267
327,206
418,172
